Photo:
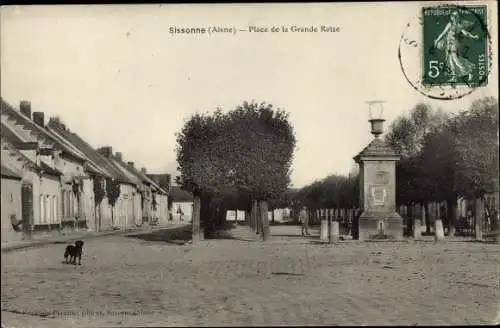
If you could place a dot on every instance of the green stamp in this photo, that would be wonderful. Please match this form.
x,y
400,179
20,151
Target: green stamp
x,y
455,45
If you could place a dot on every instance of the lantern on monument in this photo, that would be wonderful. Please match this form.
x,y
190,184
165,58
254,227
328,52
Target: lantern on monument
x,y
376,111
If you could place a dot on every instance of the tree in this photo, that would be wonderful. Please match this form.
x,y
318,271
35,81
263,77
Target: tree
x,y
195,146
113,193
406,134
263,153
334,191
99,186
446,157
476,133
247,150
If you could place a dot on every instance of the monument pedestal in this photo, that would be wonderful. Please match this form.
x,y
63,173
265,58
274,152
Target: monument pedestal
x,y
377,177
380,226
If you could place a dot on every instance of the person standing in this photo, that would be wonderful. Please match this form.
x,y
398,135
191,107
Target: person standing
x,y
304,221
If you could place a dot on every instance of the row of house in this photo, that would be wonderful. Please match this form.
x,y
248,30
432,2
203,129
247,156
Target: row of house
x,y
53,179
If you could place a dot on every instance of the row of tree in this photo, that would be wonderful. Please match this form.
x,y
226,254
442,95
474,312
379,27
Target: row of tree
x,y
446,156
238,159
334,191
443,157
242,159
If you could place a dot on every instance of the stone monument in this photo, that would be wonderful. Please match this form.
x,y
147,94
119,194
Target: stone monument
x,y
377,178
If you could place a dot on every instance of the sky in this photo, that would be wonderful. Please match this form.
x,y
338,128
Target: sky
x,y
116,76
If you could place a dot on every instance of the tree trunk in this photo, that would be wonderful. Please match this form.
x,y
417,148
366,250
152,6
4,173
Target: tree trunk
x,y
195,220
253,216
264,220
452,212
97,225
479,217
258,218
272,216
205,216
410,219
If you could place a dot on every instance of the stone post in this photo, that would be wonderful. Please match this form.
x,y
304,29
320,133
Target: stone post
x,y
324,227
438,230
334,232
417,230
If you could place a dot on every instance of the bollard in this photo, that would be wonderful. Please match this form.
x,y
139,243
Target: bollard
x,y
324,230
438,230
334,232
417,229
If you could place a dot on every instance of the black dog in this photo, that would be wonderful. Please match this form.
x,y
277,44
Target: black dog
x,y
72,252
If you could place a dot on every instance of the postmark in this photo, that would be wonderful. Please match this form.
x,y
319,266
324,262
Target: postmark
x,y
445,52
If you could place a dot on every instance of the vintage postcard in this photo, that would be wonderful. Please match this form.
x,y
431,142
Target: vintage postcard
x,y
250,164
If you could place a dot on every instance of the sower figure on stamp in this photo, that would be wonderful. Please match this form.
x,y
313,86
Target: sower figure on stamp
x,y
304,221
449,42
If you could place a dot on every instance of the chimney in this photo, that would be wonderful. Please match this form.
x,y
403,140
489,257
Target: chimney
x,y
55,122
106,151
131,163
25,107
39,118
118,156
143,170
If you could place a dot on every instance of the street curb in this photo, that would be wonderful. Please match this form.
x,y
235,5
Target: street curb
x,y
89,235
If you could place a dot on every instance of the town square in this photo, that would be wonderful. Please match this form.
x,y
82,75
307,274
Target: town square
x,y
196,165
130,281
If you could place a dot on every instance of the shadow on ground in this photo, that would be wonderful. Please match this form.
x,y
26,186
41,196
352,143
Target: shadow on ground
x,y
176,236
181,235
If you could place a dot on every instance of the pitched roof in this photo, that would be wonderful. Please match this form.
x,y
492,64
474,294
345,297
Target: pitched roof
x,y
8,173
7,133
377,147
46,136
90,165
125,171
42,167
105,164
49,170
179,195
146,179
163,180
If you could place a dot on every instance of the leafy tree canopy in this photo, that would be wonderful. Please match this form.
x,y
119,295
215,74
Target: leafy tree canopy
x,y
248,149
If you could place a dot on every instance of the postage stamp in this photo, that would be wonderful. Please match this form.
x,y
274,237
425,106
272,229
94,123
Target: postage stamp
x,y
455,45
445,51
